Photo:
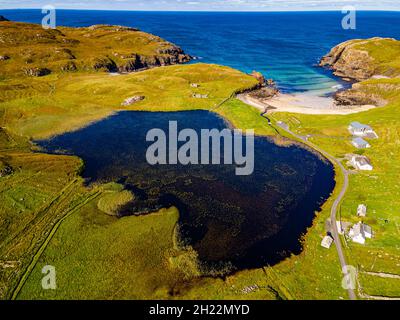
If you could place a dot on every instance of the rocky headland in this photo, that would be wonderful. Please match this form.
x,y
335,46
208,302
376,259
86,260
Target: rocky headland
x,y
361,60
30,50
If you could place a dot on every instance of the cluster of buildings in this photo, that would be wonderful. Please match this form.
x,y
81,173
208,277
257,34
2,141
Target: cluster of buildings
x,y
358,232
359,132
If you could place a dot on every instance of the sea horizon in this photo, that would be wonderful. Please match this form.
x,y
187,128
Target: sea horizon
x,y
210,11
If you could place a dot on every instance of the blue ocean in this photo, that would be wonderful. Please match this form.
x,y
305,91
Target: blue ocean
x,y
284,46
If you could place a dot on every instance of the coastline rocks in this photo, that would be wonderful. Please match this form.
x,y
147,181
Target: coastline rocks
x,y
3,18
259,77
139,62
131,100
264,93
265,90
96,48
358,96
105,64
349,61
360,60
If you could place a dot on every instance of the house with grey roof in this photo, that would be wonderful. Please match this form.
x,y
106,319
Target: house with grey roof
x,y
360,143
360,232
362,130
361,163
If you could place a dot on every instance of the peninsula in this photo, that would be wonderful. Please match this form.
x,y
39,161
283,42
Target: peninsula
x,y
58,81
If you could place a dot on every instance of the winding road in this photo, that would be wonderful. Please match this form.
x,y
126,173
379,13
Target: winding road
x,y
338,200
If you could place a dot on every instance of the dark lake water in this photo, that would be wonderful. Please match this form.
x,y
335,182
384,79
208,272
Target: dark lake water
x,y
247,221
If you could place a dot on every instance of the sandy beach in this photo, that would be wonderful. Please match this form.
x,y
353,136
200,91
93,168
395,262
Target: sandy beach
x,y
302,103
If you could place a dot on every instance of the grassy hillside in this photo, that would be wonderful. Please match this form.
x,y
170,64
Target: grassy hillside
x,y
30,50
41,190
361,59
379,189
47,216
385,54
46,106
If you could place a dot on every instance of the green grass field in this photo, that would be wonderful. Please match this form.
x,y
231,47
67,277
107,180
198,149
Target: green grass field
x,y
379,189
48,217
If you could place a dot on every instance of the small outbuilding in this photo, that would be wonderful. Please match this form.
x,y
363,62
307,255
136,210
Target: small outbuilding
x,y
327,242
360,143
362,210
361,163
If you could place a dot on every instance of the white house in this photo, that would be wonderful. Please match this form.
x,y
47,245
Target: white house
x,y
361,163
361,130
359,232
327,242
360,143
362,210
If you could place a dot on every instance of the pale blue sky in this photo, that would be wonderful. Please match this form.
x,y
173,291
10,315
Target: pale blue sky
x,y
207,5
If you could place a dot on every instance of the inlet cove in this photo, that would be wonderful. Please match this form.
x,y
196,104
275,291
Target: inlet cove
x,y
232,222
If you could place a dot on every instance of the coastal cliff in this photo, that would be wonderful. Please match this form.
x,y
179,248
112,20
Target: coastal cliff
x,y
361,60
30,50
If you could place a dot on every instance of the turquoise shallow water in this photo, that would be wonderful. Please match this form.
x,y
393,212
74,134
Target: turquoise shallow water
x,y
284,46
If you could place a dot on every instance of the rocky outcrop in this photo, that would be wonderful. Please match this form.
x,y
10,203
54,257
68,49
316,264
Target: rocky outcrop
x,y
2,18
131,100
351,61
96,48
69,66
140,62
104,64
36,72
354,97
264,93
358,60
259,77
348,62
263,90
5,170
